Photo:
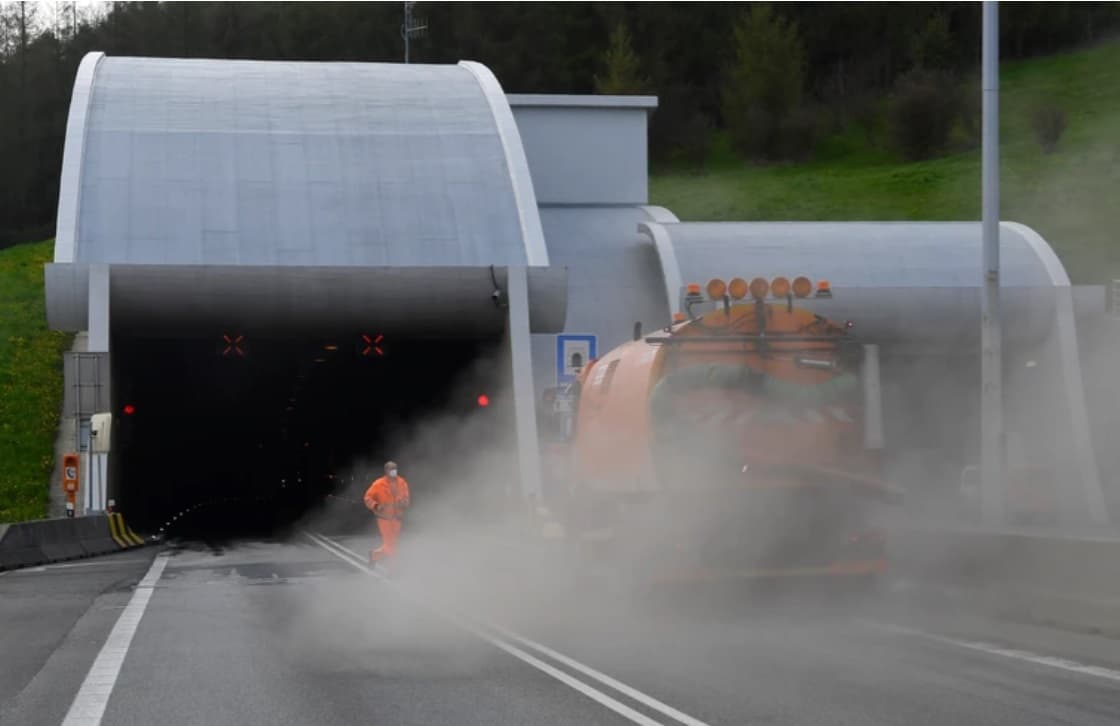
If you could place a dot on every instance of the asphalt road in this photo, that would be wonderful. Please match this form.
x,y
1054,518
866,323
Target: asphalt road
x,y
299,632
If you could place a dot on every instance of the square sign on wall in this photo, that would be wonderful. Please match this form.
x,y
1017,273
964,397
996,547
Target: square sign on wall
x,y
573,352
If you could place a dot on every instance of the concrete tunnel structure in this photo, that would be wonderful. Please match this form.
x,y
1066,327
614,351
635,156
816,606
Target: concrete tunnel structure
x,y
306,205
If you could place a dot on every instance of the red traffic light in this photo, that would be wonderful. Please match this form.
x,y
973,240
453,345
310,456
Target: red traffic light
x,y
483,401
129,409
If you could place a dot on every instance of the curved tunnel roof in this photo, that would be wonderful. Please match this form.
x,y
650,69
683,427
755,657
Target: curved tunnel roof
x,y
864,254
894,278
201,162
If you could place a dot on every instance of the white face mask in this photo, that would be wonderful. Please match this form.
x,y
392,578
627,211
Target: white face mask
x,y
393,473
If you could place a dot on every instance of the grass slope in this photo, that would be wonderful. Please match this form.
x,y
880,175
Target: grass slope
x,y
1069,196
30,383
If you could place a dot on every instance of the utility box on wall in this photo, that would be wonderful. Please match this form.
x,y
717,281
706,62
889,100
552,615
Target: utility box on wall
x,y
86,384
100,432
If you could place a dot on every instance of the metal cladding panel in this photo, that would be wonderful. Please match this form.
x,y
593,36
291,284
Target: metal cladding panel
x,y
203,162
585,154
614,278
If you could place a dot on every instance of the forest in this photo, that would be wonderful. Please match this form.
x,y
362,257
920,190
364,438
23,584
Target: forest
x,y
771,78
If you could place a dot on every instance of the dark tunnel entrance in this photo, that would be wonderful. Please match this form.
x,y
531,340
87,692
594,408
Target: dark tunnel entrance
x,y
241,436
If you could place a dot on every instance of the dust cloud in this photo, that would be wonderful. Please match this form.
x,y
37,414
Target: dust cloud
x,y
473,548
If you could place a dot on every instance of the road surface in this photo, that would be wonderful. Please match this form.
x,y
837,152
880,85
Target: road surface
x,y
299,632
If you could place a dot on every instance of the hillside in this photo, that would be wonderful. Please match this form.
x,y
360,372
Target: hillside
x,y
30,383
1069,196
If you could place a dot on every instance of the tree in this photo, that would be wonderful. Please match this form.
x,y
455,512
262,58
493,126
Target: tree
x,y
623,67
763,88
932,47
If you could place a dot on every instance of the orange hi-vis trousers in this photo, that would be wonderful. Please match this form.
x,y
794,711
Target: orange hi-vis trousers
x,y
390,530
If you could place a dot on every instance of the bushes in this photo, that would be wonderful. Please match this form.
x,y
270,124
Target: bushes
x,y
1048,122
923,110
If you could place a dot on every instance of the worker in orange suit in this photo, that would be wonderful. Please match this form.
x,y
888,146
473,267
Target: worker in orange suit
x,y
387,498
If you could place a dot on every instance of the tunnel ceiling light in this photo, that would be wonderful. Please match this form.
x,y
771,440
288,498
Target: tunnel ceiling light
x,y
320,360
331,347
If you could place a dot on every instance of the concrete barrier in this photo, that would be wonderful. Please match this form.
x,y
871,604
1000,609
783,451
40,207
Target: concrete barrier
x,y
25,544
93,533
20,548
1062,580
58,539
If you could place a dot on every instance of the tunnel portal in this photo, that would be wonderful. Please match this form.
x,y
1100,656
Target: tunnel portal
x,y
237,434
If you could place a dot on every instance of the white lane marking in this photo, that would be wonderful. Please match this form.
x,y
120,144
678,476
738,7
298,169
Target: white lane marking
x,y
602,678
357,561
993,649
89,705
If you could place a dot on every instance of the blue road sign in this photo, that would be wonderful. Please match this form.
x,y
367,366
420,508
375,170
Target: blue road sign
x,y
573,352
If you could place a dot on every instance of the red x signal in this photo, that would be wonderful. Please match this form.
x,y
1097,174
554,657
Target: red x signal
x,y
233,346
373,345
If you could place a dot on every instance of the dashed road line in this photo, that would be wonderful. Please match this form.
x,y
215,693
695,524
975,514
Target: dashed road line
x,y
992,649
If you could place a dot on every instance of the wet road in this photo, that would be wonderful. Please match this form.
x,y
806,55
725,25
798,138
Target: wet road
x,y
300,632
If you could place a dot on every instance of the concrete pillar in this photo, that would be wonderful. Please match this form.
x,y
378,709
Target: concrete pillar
x,y
524,396
98,324
93,466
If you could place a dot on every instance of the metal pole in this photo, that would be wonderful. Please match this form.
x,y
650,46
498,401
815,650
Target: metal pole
x,y
991,337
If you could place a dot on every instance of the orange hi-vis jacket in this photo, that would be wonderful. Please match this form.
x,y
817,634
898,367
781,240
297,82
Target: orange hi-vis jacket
x,y
391,497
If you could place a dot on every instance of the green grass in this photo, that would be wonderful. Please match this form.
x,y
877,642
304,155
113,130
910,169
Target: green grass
x,y
1072,197
30,383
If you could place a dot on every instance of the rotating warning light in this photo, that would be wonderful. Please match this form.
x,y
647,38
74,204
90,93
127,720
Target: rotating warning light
x,y
779,287
759,288
802,286
717,288
129,409
824,289
693,288
738,288
371,346
483,400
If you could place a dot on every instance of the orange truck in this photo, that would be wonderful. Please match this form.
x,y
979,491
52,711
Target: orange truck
x,y
742,440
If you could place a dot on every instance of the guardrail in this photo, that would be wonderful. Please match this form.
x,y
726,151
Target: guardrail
x,y
39,542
